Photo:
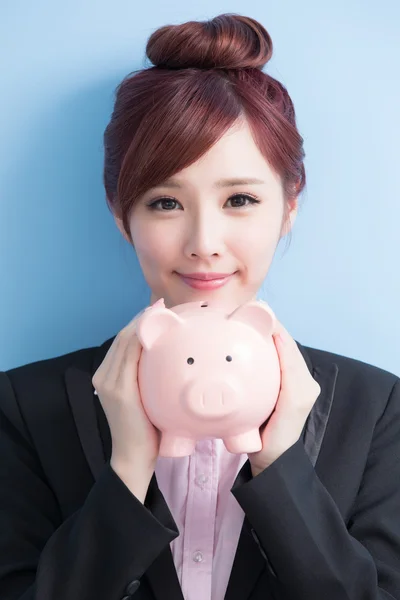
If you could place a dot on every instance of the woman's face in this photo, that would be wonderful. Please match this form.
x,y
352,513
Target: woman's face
x,y
198,223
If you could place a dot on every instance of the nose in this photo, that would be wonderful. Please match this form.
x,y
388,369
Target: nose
x,y
205,236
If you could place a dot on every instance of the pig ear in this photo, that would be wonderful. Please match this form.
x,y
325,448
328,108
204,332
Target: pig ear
x,y
154,322
258,315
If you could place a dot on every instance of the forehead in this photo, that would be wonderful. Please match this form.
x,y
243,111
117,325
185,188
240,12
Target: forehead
x,y
234,160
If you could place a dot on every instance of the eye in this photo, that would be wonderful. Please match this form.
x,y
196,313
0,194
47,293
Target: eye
x,y
229,358
169,204
237,197
190,361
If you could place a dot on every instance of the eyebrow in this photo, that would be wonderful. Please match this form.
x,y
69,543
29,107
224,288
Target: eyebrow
x,y
221,183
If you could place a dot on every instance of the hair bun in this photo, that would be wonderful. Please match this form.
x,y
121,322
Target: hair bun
x,y
228,41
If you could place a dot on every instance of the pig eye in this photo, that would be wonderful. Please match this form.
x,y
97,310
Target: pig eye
x,y
190,361
229,358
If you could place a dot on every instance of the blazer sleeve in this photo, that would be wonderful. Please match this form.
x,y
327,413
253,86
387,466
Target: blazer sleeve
x,y
96,553
305,541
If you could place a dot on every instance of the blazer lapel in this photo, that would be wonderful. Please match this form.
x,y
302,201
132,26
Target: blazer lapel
x,y
317,421
249,563
95,438
81,399
94,434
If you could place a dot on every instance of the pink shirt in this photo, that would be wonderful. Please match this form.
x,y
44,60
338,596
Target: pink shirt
x,y
197,491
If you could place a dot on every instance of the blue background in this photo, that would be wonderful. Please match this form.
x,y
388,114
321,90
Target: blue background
x,y
68,278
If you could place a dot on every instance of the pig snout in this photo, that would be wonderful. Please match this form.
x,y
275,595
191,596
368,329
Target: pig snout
x,y
216,400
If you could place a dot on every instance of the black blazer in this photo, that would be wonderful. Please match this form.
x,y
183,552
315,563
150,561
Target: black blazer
x,y
321,523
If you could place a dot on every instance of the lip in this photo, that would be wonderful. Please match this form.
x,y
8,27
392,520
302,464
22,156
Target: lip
x,y
205,276
212,282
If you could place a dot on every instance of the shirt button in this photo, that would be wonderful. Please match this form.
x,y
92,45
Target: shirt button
x,y
132,587
201,480
197,557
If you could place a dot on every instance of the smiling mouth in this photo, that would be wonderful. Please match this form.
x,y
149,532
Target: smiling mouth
x,y
206,284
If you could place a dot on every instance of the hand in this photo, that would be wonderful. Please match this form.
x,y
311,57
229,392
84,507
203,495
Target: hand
x,y
135,440
298,394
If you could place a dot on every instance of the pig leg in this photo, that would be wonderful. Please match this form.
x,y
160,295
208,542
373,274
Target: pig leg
x,y
173,445
244,442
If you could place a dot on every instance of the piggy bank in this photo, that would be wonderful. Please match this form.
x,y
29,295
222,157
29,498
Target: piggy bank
x,y
205,373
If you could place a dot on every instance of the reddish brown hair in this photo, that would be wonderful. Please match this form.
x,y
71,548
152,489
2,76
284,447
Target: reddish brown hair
x,y
206,76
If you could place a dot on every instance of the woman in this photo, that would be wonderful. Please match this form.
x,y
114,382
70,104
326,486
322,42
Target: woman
x,y
203,171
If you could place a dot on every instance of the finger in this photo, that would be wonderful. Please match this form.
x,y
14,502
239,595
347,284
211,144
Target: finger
x,y
131,352
124,360
109,368
117,351
288,353
281,330
277,328
131,348
132,324
129,361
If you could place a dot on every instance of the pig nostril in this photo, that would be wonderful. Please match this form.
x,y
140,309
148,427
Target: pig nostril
x,y
229,358
204,306
190,361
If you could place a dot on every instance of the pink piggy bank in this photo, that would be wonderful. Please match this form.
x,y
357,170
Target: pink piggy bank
x,y
206,373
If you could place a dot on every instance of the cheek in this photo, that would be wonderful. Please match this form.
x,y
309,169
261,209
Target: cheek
x,y
153,245
257,243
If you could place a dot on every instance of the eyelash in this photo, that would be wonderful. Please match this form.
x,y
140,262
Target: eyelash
x,y
252,199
